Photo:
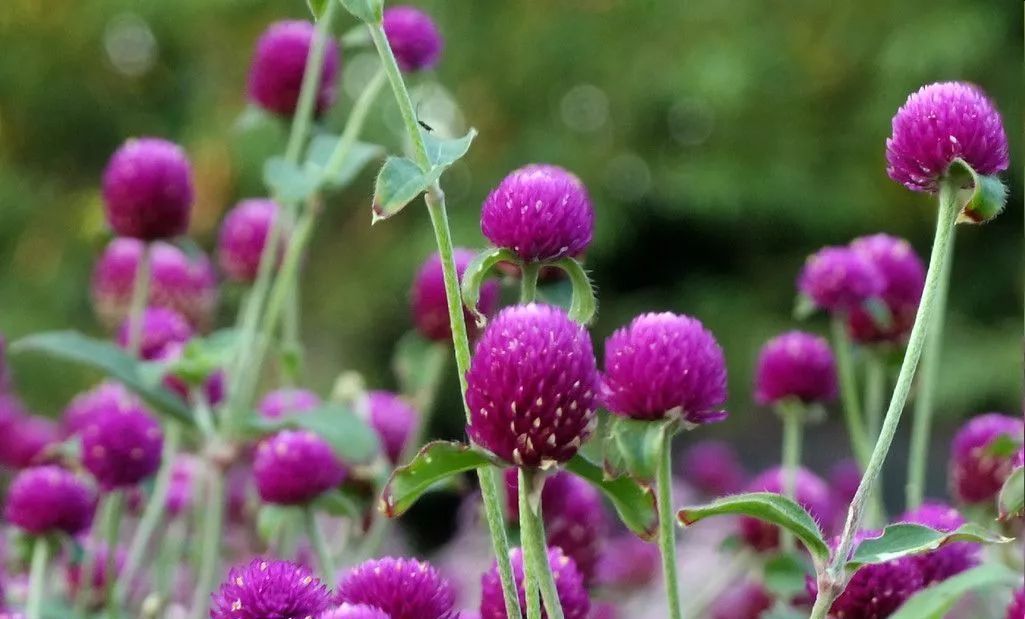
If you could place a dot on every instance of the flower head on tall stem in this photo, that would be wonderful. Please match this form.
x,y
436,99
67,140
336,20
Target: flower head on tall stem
x,y
402,588
160,328
430,307
413,37
287,401
243,236
903,277
839,279
713,467
627,562
47,499
25,436
121,444
80,412
977,466
393,419
795,365
147,189
810,492
276,72
950,559
532,385
293,467
573,597
267,588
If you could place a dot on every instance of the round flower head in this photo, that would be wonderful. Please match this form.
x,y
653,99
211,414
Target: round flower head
x,y
939,123
284,402
393,419
85,406
839,279
276,74
295,467
604,610
665,362
353,611
628,563
121,445
714,468
402,588
47,499
844,479
1017,608
147,189
532,385
977,467
181,491
413,37
243,237
810,493
903,277
25,436
749,600
265,588
795,365
949,559
99,556
430,306
541,212
568,584
160,327
186,284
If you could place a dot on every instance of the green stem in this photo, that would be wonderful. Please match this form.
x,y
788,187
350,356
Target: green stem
x,y
137,306
37,578
945,221
822,605
875,393
531,593
172,549
528,281
921,426
849,391
667,524
490,485
792,414
112,528
210,543
535,546
391,69
316,537
357,118
310,85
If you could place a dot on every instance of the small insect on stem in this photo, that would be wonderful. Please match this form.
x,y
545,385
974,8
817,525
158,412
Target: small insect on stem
x,y
425,126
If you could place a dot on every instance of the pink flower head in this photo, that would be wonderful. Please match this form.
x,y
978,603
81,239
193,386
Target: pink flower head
x,y
430,306
950,559
413,37
569,585
283,402
147,189
25,435
713,467
628,563
839,279
977,472
810,492
243,237
122,444
45,499
394,420
267,588
402,588
903,276
276,73
80,412
795,365
1016,610
293,467
160,327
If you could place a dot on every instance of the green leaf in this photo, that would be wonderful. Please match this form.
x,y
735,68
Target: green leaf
x,y
632,447
444,152
1003,446
337,502
784,575
935,601
634,503
436,462
804,307
476,272
418,364
322,147
770,507
112,362
286,181
904,539
983,197
369,11
584,304
352,438
398,183
1011,502
272,518
317,7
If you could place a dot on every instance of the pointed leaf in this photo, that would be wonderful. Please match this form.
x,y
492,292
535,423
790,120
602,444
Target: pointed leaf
x,y
360,154
770,507
352,438
369,11
286,181
112,362
634,503
436,462
398,183
632,447
444,152
905,539
1012,496
317,7
478,269
584,304
936,600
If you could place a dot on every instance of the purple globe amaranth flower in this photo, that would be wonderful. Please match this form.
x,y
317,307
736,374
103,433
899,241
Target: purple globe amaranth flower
x,y
276,73
939,123
568,584
147,189
403,588
283,402
99,556
661,363
186,284
541,212
45,499
25,436
430,305
181,491
977,470
122,444
839,279
628,562
354,611
80,412
604,610
903,277
795,365
532,386
243,237
160,327
1016,610
293,467
810,492
844,479
748,600
266,588
394,421
949,559
713,467
413,38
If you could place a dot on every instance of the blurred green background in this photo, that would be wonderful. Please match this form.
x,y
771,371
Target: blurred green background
x,y
722,142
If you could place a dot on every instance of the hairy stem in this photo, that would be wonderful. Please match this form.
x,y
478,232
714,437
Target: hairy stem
x,y
528,281
849,391
489,490
531,592
37,578
210,543
792,415
875,401
667,524
310,85
535,545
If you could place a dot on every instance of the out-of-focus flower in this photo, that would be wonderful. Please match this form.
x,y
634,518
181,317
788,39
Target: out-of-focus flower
x,y
147,189
977,468
795,365
402,588
276,73
430,306
568,583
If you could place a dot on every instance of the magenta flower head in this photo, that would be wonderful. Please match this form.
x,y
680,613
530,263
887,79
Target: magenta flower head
x,y
795,365
1017,607
748,600
413,37
662,363
80,412
628,563
949,559
939,123
839,279
284,402
25,436
293,467
121,445
978,462
354,611
186,284
568,584
181,491
903,277
276,74
430,306
532,386
810,492
46,499
243,236
147,189
541,212
714,468
394,421
402,588
266,588
160,327
844,479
